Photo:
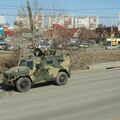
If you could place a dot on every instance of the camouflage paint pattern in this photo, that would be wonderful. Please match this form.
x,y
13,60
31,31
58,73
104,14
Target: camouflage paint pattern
x,y
39,69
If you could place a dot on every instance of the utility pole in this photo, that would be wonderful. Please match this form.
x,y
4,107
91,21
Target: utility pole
x,y
112,35
111,38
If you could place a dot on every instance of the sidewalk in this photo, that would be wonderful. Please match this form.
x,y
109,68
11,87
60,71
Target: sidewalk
x,y
106,65
102,66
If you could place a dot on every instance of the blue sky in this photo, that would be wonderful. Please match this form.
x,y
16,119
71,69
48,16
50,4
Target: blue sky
x,y
107,10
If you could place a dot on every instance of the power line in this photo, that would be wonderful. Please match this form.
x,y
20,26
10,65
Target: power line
x,y
61,10
85,10
12,6
104,17
15,6
81,11
54,9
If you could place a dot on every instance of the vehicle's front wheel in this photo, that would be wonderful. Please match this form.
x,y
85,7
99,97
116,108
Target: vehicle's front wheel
x,y
62,78
23,84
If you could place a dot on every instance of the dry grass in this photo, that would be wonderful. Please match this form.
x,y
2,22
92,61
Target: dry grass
x,y
85,58
8,59
78,58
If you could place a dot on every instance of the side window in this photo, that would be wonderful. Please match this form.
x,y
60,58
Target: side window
x,y
50,62
30,64
38,66
22,63
60,60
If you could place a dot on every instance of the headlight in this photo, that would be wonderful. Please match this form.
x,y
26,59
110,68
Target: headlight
x,y
8,76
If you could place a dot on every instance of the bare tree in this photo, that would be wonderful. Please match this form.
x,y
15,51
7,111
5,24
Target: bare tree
x,y
31,21
29,16
85,34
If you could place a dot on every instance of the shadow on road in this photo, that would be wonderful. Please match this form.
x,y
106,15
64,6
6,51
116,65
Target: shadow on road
x,y
9,88
5,88
5,91
43,84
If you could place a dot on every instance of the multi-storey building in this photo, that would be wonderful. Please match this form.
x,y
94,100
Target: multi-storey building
x,y
2,20
88,22
62,20
23,21
119,22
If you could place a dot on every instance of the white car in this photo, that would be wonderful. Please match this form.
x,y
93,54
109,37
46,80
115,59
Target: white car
x,y
45,46
113,47
3,46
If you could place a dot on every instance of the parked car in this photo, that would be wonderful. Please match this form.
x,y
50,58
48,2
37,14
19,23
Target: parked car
x,y
84,45
3,46
113,47
42,45
45,45
13,48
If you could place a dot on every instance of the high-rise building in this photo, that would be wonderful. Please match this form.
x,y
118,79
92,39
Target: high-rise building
x,y
119,22
2,20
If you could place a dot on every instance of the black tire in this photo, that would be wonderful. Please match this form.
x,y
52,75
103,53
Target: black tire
x,y
62,78
23,84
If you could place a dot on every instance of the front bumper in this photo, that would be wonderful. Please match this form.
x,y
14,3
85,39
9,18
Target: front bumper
x,y
7,81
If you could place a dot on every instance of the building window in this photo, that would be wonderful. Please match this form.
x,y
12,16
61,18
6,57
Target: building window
x,y
94,20
119,42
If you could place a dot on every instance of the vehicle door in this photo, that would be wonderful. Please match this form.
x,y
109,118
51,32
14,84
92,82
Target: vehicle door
x,y
40,73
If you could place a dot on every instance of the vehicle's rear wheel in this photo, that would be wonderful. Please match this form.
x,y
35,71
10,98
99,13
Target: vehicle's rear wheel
x,y
62,78
23,84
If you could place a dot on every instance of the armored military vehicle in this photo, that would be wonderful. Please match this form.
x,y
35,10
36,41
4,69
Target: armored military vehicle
x,y
33,70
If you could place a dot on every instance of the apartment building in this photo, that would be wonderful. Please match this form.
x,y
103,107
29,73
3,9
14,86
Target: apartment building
x,y
88,22
119,22
24,21
2,20
62,20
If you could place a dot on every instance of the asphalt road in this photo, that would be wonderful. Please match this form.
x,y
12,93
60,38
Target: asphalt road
x,y
89,95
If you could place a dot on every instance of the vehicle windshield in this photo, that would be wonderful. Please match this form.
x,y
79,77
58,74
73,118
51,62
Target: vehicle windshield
x,y
28,63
